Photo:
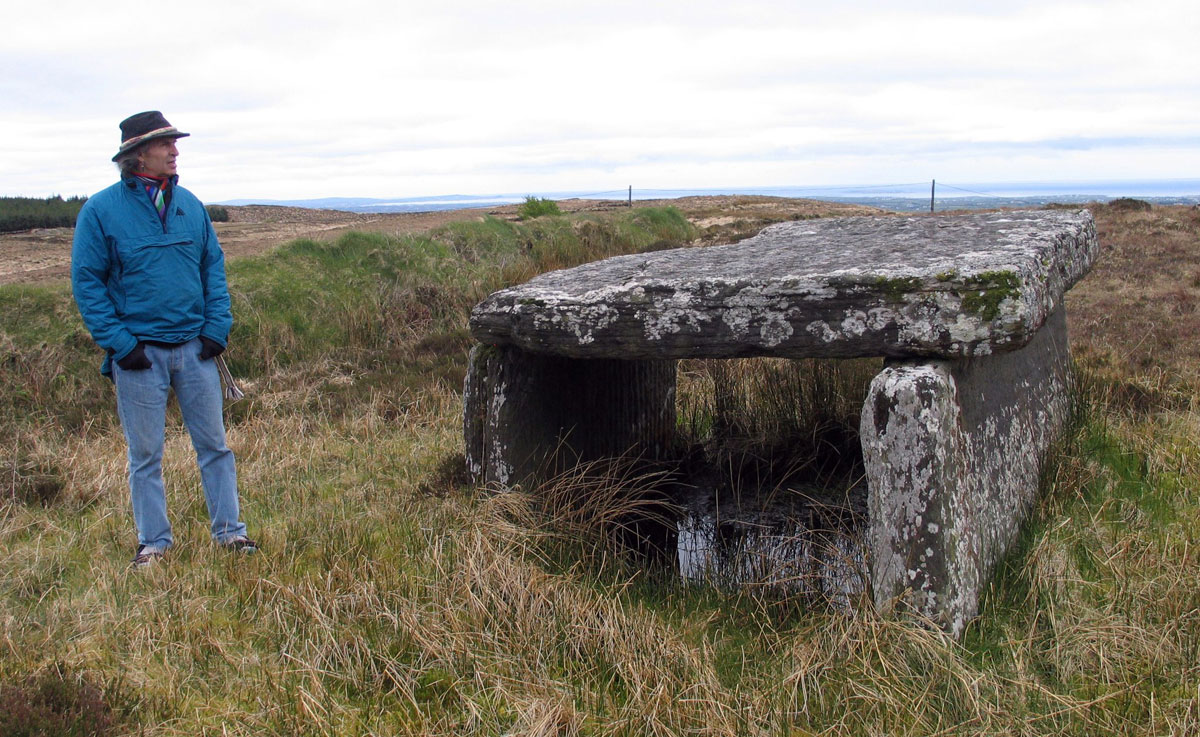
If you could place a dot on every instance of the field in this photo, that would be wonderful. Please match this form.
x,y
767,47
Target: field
x,y
394,598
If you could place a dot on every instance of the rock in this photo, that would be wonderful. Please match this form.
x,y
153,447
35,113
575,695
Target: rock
x,y
951,286
953,451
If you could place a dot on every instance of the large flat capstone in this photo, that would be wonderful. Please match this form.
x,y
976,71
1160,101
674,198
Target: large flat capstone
x,y
950,287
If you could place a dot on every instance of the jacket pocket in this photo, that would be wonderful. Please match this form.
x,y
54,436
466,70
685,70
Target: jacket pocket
x,y
159,276
143,254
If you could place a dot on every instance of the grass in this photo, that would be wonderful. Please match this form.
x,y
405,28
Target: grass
x,y
395,599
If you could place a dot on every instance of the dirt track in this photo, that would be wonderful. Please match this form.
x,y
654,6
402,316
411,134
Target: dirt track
x,y
44,255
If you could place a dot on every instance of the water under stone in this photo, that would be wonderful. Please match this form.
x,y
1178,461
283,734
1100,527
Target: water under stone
x,y
791,538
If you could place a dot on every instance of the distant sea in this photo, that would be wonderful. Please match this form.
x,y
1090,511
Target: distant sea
x,y
910,197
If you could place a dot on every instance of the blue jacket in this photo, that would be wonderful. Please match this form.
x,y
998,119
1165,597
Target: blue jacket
x,y
136,278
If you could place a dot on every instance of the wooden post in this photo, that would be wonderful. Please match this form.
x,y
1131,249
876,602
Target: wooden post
x,y
631,195
932,187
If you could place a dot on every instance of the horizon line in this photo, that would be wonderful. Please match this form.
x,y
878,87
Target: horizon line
x,y
907,191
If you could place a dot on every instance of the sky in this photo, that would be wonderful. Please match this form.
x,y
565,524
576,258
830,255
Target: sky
x,y
375,98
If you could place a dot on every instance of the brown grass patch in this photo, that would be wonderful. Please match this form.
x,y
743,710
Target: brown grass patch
x,y
1135,313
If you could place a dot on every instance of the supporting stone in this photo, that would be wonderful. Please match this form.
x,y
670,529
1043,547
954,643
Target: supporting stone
x,y
953,452
527,414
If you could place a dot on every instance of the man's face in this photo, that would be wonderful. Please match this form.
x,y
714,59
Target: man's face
x,y
157,157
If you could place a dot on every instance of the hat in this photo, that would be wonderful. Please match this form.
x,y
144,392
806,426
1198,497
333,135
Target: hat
x,y
137,129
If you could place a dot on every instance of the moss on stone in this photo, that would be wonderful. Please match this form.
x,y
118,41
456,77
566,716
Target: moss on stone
x,y
985,291
896,288
481,354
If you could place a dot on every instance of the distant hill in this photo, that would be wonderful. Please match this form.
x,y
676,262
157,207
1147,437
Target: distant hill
x,y
394,204
911,197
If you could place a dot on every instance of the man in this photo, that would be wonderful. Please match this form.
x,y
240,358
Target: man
x,y
149,280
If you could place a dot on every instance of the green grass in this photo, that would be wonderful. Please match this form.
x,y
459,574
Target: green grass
x,y
393,598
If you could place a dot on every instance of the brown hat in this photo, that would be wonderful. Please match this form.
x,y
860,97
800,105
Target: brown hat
x,y
137,129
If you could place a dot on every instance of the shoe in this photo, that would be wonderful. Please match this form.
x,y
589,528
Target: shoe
x,y
146,556
241,544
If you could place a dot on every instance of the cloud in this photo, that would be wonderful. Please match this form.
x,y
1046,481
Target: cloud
x,y
364,97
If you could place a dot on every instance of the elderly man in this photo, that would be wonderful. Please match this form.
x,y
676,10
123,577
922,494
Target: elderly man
x,y
149,280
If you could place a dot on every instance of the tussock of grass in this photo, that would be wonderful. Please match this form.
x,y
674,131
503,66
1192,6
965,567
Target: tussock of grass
x,y
603,507
535,207
391,599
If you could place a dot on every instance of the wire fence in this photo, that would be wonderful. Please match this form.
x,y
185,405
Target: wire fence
x,y
899,190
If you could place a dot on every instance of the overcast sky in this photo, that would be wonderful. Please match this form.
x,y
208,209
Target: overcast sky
x,y
369,98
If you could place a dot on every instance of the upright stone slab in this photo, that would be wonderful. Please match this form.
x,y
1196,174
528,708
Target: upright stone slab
x,y
953,452
527,415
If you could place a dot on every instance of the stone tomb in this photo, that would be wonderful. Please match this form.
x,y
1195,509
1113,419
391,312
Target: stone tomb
x,y
967,310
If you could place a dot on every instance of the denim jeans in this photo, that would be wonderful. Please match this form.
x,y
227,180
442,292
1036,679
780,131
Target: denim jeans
x,y
142,407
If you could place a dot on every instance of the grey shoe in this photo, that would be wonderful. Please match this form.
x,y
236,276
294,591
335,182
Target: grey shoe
x,y
146,556
240,544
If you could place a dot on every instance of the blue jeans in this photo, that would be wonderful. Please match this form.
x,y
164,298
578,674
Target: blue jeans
x,y
142,407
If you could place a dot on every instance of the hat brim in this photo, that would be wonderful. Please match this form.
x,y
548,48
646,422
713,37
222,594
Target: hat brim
x,y
132,143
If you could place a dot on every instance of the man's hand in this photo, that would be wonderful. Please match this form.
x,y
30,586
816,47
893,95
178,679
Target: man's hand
x,y
210,349
136,360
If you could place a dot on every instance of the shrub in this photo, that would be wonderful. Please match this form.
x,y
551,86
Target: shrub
x,y
535,207
217,213
1130,204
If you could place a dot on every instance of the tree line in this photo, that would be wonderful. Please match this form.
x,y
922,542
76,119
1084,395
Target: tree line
x,y
26,213
23,213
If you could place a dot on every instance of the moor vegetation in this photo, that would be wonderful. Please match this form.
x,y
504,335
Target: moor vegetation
x,y
395,598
